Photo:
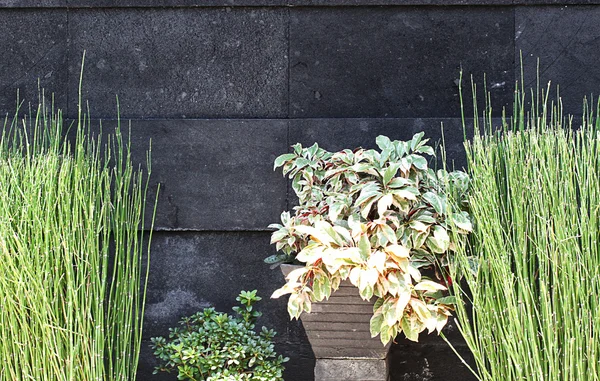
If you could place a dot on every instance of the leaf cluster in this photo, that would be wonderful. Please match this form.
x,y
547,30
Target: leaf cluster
x,y
378,218
214,346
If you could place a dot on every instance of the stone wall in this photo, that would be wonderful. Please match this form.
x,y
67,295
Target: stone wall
x,y
223,87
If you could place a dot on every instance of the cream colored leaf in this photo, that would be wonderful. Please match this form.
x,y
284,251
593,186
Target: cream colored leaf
x,y
368,278
287,288
377,261
384,203
429,285
310,254
414,273
420,308
355,276
442,320
431,323
295,275
398,251
403,299
315,234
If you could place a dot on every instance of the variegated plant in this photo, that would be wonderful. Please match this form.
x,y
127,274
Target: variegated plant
x,y
379,219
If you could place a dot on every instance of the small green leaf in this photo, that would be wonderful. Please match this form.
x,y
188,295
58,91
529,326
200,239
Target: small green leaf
x,y
461,220
312,150
449,300
282,159
426,150
414,143
409,331
390,172
398,182
276,258
401,148
383,142
364,247
438,204
375,324
418,162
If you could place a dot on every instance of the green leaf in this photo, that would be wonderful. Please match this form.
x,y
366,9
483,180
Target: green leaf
x,y
461,220
409,331
377,304
383,158
426,150
364,247
383,142
297,148
390,172
429,285
438,204
335,209
414,143
321,287
282,159
375,324
449,300
369,191
301,163
438,241
276,258
398,182
418,226
366,293
312,150
401,148
408,193
418,162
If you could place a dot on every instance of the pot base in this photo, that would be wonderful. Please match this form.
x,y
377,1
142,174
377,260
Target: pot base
x,y
351,370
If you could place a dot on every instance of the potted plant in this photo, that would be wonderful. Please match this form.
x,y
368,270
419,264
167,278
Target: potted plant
x,y
373,225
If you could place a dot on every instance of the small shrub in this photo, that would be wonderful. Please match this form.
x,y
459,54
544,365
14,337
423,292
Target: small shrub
x,y
214,346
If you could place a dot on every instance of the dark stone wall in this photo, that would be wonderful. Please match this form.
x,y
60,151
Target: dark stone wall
x,y
223,88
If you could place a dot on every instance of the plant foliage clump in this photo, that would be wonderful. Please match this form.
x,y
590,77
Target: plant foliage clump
x,y
214,346
72,288
532,265
378,218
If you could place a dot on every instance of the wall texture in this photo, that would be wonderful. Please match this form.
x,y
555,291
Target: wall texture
x,y
222,87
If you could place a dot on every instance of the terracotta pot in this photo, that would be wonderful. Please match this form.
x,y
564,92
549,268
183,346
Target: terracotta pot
x,y
339,334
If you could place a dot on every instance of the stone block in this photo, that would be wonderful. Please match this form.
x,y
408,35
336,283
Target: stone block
x,y
180,63
31,54
32,3
281,3
396,62
350,370
410,361
213,174
565,39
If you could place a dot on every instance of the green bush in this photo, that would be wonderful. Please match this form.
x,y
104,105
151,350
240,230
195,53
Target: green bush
x,y
214,346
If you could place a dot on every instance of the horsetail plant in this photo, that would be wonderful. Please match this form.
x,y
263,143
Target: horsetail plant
x,y
72,277
531,268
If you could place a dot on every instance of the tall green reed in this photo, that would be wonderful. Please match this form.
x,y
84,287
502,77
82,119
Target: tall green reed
x,y
72,278
528,307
